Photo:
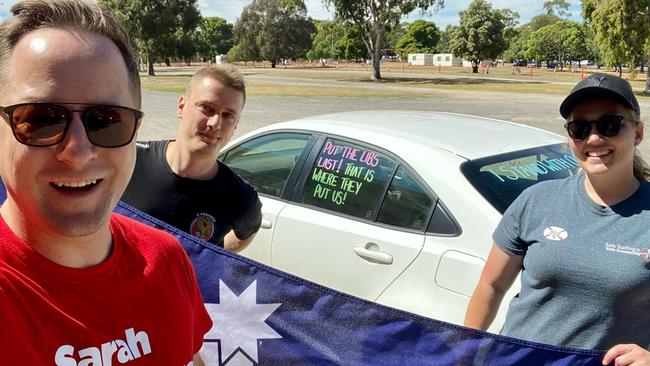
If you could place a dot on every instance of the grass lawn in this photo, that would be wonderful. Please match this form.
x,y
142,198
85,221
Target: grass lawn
x,y
399,81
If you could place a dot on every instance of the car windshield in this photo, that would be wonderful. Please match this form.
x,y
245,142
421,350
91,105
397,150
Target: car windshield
x,y
501,178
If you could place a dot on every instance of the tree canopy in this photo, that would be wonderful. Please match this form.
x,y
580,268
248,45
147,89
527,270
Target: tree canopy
x,y
273,30
562,41
479,35
161,28
421,36
371,17
215,37
622,30
557,7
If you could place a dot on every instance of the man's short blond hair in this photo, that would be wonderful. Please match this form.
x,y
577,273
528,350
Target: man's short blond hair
x,y
73,15
227,74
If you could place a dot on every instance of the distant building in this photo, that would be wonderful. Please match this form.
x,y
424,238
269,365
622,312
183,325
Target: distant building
x,y
484,63
420,59
221,59
446,59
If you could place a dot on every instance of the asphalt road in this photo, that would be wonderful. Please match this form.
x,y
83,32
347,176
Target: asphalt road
x,y
535,110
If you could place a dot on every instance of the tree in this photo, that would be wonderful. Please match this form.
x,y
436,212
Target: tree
x,y
545,44
215,37
392,34
185,37
371,17
443,42
542,20
350,46
576,42
421,37
154,24
622,29
518,44
557,7
274,30
479,35
562,41
323,39
184,45
510,33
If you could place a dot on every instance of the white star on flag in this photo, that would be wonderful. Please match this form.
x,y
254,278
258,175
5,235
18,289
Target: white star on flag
x,y
238,323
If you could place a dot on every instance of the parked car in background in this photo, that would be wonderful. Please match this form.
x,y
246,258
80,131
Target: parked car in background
x,y
520,63
395,207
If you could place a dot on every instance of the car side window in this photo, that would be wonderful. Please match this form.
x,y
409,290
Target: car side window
x,y
406,204
267,161
348,178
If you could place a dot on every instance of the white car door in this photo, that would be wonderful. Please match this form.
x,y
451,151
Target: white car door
x,y
268,162
335,235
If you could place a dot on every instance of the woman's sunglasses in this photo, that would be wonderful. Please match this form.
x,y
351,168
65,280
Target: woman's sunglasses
x,y
45,124
607,125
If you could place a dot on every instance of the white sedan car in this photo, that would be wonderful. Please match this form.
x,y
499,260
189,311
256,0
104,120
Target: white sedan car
x,y
394,207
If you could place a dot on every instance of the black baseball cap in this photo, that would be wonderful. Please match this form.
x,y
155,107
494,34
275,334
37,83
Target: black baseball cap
x,y
600,86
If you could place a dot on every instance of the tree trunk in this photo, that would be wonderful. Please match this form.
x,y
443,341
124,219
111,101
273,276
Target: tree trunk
x,y
150,71
273,64
376,65
475,67
168,62
647,83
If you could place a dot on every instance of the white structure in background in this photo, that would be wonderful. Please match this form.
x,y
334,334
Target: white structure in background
x,y
420,59
221,59
483,63
446,59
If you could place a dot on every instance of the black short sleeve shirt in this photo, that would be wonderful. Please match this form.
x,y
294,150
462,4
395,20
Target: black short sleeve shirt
x,y
208,209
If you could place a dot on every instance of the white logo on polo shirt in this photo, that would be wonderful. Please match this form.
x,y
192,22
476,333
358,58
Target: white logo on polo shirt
x,y
555,233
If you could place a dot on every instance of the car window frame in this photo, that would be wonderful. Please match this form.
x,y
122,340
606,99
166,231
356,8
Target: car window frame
x,y
297,167
299,187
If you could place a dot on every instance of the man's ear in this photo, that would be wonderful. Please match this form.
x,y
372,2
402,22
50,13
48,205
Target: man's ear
x,y
180,106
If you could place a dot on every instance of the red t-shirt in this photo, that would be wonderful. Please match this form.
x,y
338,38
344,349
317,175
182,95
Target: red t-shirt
x,y
141,306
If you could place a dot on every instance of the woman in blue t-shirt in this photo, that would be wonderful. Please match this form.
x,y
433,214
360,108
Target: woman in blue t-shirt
x,y
581,244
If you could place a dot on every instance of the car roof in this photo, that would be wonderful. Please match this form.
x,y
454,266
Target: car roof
x,y
467,136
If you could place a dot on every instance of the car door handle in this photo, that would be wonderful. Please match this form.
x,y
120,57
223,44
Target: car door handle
x,y
374,255
266,224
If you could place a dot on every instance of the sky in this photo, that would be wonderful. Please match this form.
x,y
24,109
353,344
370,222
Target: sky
x,y
231,9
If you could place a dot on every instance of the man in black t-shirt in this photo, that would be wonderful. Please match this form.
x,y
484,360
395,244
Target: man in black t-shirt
x,y
181,181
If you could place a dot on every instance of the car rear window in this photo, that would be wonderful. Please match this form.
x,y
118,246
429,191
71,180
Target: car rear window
x,y
501,178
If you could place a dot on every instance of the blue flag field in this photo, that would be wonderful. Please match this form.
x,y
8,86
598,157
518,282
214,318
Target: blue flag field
x,y
268,317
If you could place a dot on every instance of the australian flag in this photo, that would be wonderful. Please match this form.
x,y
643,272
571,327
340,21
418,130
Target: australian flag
x,y
263,316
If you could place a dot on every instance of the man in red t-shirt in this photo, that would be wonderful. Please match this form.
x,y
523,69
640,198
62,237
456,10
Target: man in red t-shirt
x,y
78,284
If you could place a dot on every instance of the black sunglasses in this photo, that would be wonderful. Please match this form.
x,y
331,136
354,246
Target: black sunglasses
x,y
607,125
45,124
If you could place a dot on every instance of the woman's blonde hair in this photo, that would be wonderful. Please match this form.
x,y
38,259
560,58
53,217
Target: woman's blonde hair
x,y
639,166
